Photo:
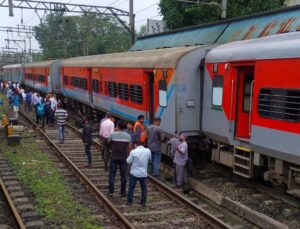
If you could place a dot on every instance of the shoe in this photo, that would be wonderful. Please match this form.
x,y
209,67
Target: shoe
x,y
143,204
110,194
123,195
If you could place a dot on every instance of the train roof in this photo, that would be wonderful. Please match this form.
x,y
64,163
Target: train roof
x,y
272,47
12,66
46,63
157,58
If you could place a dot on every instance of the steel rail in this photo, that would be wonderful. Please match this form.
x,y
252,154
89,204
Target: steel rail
x,y
214,221
83,177
12,206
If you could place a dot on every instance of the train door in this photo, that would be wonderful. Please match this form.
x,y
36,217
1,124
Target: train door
x,y
244,102
151,108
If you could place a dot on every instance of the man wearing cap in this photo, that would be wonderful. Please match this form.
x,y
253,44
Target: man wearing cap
x,y
180,160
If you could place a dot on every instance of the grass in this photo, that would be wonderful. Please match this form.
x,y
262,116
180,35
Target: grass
x,y
53,197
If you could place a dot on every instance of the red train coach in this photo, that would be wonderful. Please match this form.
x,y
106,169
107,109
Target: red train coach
x,y
252,107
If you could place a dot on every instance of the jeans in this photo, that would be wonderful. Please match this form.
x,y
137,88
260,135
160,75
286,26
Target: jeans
x,y
105,152
88,152
16,111
112,174
42,118
155,163
28,106
61,130
132,183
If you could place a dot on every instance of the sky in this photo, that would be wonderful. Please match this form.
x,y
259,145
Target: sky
x,y
143,10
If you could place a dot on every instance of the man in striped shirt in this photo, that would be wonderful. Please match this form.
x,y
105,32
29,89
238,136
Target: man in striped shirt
x,y
61,116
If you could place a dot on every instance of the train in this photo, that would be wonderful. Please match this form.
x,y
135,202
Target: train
x,y
238,103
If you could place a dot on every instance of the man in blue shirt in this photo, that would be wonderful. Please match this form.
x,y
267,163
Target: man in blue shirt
x,y
15,101
138,158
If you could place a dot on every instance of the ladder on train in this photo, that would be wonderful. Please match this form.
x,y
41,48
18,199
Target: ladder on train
x,y
243,161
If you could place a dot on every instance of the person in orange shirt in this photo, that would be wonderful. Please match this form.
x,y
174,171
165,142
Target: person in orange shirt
x,y
139,129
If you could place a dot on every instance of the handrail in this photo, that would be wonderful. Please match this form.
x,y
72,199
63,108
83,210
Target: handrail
x,y
250,109
231,105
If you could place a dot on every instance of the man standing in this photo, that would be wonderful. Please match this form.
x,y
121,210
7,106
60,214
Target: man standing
x,y
106,129
173,143
120,142
180,160
15,100
87,139
61,116
155,137
139,129
28,101
138,158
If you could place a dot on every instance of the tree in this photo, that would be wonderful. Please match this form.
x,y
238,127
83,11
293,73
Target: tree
x,y
143,31
179,14
63,36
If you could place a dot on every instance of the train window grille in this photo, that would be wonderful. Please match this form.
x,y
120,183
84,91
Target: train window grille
x,y
41,78
112,89
84,84
123,91
136,94
95,86
217,91
106,88
66,80
280,104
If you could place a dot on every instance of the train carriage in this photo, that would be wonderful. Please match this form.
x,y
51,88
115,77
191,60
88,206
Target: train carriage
x,y
252,107
43,76
13,73
158,83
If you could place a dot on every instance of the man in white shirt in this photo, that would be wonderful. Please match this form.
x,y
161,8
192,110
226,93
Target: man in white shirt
x,y
106,129
138,158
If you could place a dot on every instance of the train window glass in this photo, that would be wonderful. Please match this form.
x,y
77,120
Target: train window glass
x,y
136,94
123,91
112,89
106,88
279,103
162,90
217,92
247,92
66,80
95,86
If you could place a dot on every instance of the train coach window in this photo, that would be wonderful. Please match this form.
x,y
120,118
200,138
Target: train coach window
x,y
136,94
112,89
84,84
123,91
66,80
95,85
41,78
278,103
162,86
217,92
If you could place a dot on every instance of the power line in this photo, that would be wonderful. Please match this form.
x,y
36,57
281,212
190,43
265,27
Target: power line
x,y
113,3
147,18
145,8
121,3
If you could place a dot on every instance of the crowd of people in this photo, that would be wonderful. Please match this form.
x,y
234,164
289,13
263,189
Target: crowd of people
x,y
132,147
46,109
135,149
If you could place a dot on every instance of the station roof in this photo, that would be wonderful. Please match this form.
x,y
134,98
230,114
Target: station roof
x,y
157,58
243,28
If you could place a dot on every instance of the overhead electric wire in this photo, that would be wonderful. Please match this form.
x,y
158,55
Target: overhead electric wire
x,y
145,8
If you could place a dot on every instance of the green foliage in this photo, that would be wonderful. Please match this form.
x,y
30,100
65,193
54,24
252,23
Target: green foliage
x,y
62,36
178,14
52,195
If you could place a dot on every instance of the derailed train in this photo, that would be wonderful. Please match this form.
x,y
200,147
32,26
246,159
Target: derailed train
x,y
242,99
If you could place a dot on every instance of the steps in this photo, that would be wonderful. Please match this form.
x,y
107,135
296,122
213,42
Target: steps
x,y
243,161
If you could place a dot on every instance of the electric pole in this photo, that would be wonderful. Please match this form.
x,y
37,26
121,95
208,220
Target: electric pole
x,y
224,9
131,21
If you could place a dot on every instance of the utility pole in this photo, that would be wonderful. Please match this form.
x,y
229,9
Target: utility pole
x,y
10,8
131,21
224,9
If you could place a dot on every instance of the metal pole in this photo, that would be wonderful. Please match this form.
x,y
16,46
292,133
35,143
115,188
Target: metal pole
x,y
131,21
10,8
224,9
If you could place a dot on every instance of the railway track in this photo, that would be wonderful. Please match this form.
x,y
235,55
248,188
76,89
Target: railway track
x,y
18,211
165,207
